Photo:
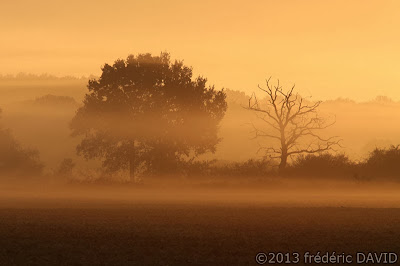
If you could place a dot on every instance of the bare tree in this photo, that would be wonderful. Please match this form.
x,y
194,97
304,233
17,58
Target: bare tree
x,y
293,122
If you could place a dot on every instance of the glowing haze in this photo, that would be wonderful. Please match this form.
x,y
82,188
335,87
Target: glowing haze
x,y
328,48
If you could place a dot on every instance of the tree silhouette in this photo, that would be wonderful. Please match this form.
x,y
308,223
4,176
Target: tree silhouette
x,y
147,110
16,160
292,122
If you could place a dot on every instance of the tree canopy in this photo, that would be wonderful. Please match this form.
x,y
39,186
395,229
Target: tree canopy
x,y
148,110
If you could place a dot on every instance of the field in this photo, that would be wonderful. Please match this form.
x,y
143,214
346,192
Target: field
x,y
99,231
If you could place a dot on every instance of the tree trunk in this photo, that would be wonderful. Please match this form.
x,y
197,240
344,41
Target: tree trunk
x,y
284,152
282,165
132,165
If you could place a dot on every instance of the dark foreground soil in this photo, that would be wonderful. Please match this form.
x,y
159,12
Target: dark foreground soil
x,y
188,234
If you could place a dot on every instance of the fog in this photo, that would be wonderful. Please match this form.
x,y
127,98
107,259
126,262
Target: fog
x,y
287,193
38,113
43,123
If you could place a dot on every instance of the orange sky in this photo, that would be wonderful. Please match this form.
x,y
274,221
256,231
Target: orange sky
x,y
328,48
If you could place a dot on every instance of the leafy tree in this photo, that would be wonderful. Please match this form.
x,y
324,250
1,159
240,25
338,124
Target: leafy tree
x,y
148,110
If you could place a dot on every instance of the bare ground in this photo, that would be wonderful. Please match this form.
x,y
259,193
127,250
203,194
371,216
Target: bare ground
x,y
187,233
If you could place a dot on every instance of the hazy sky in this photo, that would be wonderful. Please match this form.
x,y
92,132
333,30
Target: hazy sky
x,y
328,48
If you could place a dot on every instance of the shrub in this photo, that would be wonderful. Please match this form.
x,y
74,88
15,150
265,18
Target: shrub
x,y
322,165
383,163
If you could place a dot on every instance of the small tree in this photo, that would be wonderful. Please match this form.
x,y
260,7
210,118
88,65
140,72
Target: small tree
x,y
293,123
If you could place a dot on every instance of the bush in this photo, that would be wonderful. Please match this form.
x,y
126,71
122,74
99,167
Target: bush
x,y
322,165
383,163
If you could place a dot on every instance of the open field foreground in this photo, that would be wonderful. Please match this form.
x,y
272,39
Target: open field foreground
x,y
168,231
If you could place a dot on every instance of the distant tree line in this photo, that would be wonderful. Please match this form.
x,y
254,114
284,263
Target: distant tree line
x,y
50,100
29,77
